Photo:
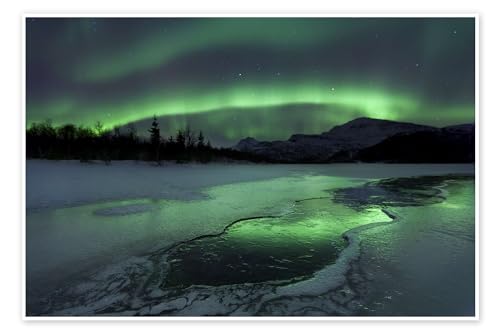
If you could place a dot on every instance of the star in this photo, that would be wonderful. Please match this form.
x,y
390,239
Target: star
x,y
132,69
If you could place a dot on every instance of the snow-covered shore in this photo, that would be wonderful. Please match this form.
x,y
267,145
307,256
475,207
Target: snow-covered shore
x,y
55,184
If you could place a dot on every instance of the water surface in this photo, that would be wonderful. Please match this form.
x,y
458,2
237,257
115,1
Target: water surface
x,y
308,243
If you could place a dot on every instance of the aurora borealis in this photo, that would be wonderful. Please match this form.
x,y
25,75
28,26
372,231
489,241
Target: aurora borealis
x,y
236,77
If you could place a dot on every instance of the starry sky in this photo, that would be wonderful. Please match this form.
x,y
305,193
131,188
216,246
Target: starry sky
x,y
265,78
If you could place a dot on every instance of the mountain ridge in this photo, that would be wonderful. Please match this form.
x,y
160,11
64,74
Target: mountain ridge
x,y
360,140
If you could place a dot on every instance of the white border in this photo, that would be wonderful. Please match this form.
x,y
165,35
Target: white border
x,y
172,14
23,168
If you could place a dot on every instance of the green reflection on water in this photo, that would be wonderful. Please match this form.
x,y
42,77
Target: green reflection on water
x,y
292,246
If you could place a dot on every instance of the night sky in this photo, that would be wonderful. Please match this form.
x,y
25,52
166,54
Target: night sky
x,y
261,77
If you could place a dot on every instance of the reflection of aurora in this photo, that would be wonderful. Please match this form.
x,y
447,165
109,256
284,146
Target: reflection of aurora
x,y
301,242
209,70
265,249
220,273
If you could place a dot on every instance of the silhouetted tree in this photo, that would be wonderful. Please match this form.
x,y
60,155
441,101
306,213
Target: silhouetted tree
x,y
201,140
180,139
190,138
155,139
132,132
99,128
41,139
116,131
97,143
67,135
107,146
84,143
132,142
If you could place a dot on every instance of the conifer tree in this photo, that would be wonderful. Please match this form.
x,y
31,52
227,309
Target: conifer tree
x,y
201,140
155,139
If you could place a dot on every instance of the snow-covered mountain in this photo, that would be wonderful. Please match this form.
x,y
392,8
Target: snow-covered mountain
x,y
343,142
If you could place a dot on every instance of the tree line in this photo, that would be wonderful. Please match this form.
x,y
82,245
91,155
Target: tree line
x,y
84,143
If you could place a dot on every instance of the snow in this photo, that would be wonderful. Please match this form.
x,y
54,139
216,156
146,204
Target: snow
x,y
76,211
430,253
55,184
94,233
97,218
124,210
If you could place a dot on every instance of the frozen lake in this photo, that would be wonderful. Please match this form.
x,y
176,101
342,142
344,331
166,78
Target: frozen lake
x,y
340,239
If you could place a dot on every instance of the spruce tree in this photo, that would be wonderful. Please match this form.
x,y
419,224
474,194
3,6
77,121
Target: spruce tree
x,y
155,139
201,140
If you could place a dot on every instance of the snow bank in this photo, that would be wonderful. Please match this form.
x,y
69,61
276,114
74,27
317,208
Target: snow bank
x,y
54,184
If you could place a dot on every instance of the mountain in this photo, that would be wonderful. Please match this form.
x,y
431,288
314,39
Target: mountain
x,y
453,144
370,140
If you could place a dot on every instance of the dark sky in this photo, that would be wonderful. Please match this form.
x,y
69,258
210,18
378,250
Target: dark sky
x,y
262,77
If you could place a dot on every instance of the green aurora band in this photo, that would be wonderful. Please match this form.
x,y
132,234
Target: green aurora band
x,y
238,77
205,33
353,101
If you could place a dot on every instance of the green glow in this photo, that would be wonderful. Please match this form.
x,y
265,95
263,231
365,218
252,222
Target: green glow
x,y
372,103
313,222
187,70
171,221
164,46
344,103
296,244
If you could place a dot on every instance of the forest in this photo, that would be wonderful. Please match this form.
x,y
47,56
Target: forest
x,y
86,144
